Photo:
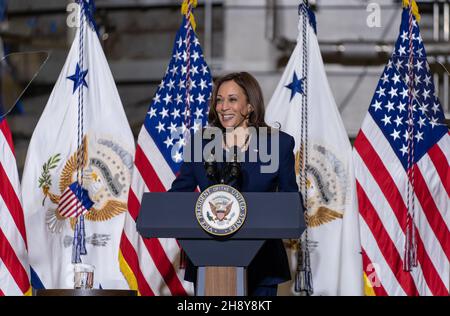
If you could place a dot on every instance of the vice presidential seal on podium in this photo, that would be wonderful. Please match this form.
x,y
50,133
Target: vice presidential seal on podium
x,y
221,210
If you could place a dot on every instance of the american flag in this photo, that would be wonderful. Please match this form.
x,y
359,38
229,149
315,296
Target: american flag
x,y
381,161
14,268
151,266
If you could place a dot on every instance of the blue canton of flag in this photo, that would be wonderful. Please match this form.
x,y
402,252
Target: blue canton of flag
x,y
169,111
389,106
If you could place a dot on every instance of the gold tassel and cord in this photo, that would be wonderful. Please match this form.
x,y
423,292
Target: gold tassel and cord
x,y
415,8
184,11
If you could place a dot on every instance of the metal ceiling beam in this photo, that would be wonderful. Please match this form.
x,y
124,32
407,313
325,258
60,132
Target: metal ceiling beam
x,y
34,7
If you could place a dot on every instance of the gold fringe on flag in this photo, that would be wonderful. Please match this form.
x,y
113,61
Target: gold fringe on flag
x,y
368,289
29,292
415,8
184,11
128,274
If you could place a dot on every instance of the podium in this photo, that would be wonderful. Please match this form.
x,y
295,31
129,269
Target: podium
x,y
221,261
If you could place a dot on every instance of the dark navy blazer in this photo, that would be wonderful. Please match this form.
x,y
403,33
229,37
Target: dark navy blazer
x,y
270,266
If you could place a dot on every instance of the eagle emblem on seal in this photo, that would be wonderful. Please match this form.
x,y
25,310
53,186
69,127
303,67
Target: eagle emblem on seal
x,y
326,184
106,175
221,211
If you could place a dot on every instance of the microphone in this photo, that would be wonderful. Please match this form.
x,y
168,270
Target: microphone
x,y
232,171
211,166
235,166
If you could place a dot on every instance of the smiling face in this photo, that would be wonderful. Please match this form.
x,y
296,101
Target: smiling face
x,y
232,105
236,101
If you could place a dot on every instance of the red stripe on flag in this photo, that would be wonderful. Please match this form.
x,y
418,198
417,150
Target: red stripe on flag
x,y
12,203
76,210
431,275
13,264
4,128
431,211
393,196
148,173
1,293
131,257
441,164
133,204
71,208
382,177
67,192
372,275
64,206
154,248
157,253
384,241
164,266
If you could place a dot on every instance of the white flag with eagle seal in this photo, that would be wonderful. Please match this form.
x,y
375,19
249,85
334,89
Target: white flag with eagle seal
x,y
84,117
333,231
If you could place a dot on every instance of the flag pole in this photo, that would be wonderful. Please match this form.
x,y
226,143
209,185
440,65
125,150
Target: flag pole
x,y
410,253
186,10
86,14
303,278
79,246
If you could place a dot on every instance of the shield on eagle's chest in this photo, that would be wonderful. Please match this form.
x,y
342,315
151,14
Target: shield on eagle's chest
x,y
74,201
220,214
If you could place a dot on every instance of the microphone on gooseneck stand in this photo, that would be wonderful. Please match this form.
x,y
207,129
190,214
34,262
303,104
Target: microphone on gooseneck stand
x,y
235,166
211,166
232,171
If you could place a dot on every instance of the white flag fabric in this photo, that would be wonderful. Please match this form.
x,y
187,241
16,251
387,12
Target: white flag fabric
x,y
51,168
333,231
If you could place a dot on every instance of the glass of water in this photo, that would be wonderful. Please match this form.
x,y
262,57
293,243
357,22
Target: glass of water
x,y
84,276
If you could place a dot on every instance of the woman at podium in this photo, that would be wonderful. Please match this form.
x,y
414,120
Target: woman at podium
x,y
237,110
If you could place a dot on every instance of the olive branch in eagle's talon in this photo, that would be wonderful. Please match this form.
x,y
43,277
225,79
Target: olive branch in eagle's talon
x,y
45,180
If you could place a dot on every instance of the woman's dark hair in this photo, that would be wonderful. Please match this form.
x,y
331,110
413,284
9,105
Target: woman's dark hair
x,y
253,93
